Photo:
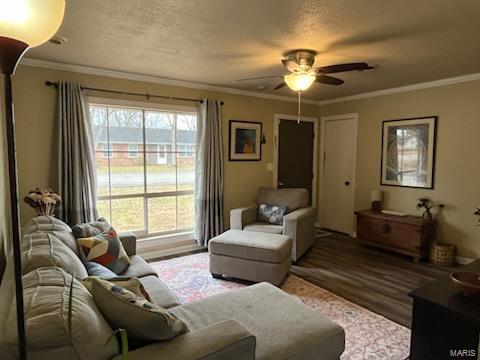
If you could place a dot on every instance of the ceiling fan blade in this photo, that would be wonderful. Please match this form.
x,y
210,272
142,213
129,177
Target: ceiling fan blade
x,y
279,86
331,69
330,80
261,77
291,66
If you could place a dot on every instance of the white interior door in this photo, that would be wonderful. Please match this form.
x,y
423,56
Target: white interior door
x,y
337,180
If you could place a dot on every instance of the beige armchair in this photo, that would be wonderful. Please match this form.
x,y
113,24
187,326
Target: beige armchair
x,y
298,223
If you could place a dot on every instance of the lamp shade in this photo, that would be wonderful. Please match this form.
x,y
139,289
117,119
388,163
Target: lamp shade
x,y
299,81
32,22
376,195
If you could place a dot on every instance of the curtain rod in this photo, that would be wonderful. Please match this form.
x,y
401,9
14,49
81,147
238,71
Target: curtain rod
x,y
146,95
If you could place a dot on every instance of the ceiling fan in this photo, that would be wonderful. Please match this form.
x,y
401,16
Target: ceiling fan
x,y
302,74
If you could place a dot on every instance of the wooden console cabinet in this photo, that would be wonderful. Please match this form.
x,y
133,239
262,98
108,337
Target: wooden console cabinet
x,y
408,235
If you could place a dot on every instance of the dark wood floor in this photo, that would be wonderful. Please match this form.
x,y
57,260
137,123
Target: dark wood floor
x,y
375,279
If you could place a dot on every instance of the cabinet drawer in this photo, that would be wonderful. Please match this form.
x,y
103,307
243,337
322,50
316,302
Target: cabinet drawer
x,y
391,233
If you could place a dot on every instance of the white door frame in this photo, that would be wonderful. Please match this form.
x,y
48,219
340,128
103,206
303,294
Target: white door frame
x,y
323,120
277,118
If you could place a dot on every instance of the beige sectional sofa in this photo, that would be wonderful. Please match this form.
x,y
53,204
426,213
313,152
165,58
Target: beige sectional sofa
x,y
256,322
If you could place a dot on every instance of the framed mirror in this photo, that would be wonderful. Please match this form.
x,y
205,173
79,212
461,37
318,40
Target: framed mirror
x,y
408,152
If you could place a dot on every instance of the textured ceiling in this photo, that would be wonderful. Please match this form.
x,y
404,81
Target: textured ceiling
x,y
218,41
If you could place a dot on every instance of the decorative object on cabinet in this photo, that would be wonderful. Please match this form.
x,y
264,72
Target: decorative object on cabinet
x,y
425,203
408,152
245,139
408,235
376,199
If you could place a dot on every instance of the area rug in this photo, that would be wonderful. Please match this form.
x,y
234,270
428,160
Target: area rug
x,y
368,335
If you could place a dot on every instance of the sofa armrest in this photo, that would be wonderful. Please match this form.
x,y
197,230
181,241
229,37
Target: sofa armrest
x,y
129,242
224,340
243,216
299,225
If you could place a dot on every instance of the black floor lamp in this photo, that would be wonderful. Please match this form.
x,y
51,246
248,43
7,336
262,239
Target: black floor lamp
x,y
23,24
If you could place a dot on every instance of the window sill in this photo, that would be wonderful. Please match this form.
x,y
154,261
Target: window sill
x,y
161,246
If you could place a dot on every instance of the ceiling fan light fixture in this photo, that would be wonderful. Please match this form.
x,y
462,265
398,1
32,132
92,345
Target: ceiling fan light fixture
x,y
298,81
30,21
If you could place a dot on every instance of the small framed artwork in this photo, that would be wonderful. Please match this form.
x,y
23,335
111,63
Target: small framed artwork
x,y
408,152
245,141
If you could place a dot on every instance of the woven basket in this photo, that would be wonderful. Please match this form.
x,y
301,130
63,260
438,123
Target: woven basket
x,y
442,254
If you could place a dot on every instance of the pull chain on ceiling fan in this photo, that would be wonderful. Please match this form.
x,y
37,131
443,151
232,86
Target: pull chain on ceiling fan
x,y
302,74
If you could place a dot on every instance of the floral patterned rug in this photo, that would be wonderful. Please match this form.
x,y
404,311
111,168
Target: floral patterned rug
x,y
368,335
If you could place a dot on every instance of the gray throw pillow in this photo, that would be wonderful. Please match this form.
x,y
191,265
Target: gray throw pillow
x,y
140,318
91,229
96,269
271,214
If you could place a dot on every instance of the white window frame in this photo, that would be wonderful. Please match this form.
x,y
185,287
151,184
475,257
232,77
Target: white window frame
x,y
144,106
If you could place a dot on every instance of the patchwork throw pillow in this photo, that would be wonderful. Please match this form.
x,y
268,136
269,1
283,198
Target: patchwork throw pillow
x,y
106,249
271,214
129,283
142,319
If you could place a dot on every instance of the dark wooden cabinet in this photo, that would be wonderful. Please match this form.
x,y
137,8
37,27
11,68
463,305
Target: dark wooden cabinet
x,y
445,322
408,235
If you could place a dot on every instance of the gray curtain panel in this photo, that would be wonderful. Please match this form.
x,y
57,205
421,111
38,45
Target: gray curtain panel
x,y
76,156
209,172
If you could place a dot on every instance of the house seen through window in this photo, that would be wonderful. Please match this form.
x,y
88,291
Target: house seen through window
x,y
145,162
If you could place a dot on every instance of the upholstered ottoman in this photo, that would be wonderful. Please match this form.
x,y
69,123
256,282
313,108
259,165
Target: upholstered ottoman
x,y
250,255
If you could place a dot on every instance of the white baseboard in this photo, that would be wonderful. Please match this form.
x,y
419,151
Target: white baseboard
x,y
463,260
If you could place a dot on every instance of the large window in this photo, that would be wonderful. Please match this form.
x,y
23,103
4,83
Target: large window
x,y
145,168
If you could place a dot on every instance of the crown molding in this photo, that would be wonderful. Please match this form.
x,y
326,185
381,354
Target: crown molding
x,y
154,79
402,89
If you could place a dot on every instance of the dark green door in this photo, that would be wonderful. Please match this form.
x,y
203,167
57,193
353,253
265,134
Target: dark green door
x,y
295,155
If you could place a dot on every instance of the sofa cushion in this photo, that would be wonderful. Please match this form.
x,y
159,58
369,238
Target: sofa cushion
x,y
271,214
159,292
138,268
263,227
53,226
46,292
142,319
106,249
41,249
251,245
291,198
283,326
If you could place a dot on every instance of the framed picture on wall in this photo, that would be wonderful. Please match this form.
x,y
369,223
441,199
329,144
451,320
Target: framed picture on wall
x,y
245,141
408,152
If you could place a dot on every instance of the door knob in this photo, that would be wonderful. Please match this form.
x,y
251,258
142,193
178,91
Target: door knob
x,y
347,183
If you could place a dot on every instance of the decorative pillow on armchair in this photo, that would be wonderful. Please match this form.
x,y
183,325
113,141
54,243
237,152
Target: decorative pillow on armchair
x,y
106,249
271,214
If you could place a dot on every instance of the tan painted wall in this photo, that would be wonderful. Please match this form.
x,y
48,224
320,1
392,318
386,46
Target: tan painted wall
x,y
457,178
35,112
